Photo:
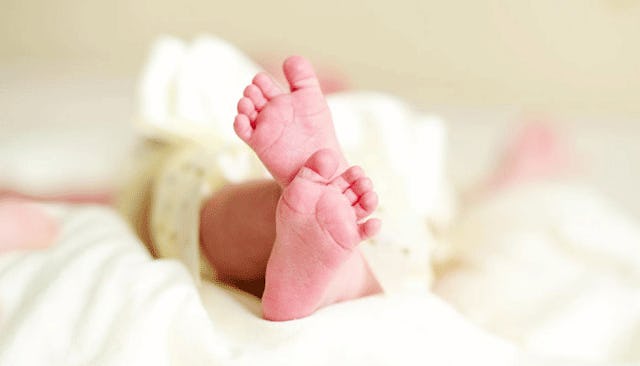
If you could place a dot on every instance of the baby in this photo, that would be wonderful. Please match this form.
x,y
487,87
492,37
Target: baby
x,y
293,240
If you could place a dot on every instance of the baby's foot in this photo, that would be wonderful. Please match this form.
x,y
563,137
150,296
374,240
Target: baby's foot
x,y
284,129
319,223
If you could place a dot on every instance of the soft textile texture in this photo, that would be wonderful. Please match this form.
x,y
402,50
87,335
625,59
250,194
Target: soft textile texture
x,y
97,297
554,267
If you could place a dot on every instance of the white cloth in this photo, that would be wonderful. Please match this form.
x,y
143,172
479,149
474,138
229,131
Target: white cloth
x,y
553,267
97,297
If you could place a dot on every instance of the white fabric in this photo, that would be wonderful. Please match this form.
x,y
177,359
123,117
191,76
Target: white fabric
x,y
96,297
554,267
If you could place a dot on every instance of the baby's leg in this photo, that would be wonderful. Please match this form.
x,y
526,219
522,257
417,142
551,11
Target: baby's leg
x,y
315,260
237,231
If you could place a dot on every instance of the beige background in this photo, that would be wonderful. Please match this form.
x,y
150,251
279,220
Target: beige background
x,y
68,73
571,55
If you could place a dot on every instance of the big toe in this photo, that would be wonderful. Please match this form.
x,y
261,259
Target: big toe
x,y
299,73
324,162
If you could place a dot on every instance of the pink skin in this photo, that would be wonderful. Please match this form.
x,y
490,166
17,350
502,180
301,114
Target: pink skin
x,y
317,219
535,153
319,223
24,226
332,80
101,198
284,129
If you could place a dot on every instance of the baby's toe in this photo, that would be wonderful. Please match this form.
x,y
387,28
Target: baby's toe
x,y
344,181
367,203
246,107
242,126
267,86
255,94
362,185
369,228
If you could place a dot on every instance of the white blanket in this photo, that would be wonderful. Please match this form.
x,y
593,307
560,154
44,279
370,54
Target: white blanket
x,y
553,267
96,297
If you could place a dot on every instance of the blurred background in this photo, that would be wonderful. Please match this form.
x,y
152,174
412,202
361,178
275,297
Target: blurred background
x,y
68,71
